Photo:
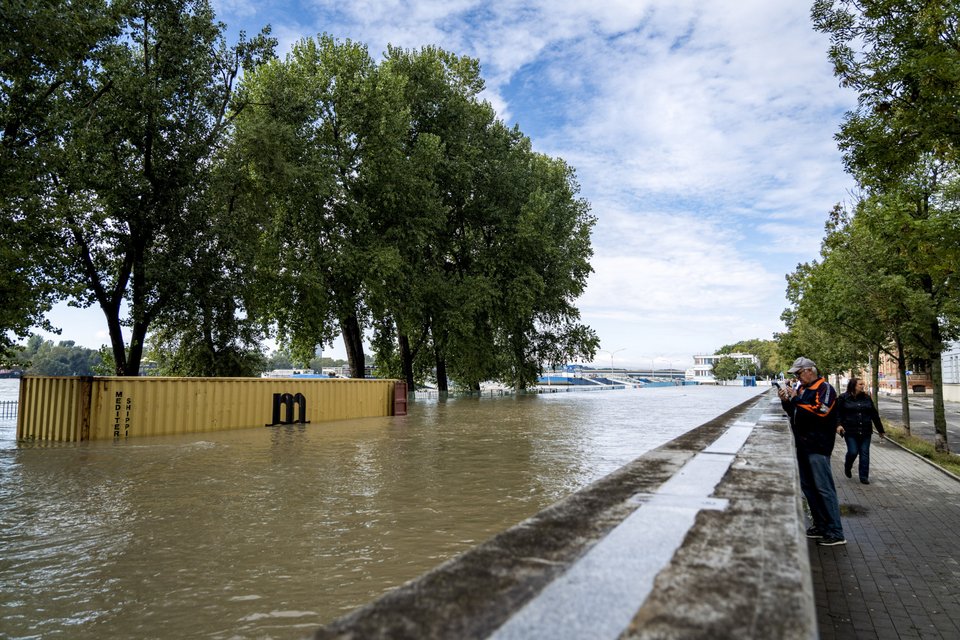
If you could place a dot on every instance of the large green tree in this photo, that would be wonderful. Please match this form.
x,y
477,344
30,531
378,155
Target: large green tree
x,y
883,283
902,57
216,327
767,351
44,58
920,222
865,294
432,293
495,247
544,257
44,358
322,130
832,295
902,143
397,200
125,182
727,368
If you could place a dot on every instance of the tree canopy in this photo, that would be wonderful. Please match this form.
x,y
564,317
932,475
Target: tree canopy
x,y
886,280
766,351
728,368
123,158
41,357
396,201
902,59
38,71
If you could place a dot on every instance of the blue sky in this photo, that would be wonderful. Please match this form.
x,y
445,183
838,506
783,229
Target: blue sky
x,y
701,133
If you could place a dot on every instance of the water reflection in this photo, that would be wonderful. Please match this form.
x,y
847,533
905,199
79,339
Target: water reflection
x,y
270,532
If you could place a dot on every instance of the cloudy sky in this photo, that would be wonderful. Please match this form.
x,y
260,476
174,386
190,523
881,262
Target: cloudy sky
x,y
701,133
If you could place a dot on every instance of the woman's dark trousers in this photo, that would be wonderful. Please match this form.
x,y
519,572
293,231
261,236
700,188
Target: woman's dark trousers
x,y
858,446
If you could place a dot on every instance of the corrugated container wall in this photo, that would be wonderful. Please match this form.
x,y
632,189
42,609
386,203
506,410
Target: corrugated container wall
x,y
73,409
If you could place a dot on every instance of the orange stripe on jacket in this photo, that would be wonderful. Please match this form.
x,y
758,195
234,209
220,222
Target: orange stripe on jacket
x,y
816,407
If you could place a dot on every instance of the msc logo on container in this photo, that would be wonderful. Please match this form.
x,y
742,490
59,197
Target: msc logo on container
x,y
288,401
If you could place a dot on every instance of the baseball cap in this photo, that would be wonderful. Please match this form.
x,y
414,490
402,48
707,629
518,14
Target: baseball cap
x,y
802,363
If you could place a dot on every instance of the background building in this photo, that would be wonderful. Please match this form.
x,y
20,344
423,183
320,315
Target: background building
x,y
919,378
951,372
702,370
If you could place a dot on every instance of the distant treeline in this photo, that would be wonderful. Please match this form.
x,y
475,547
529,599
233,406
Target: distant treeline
x,y
45,358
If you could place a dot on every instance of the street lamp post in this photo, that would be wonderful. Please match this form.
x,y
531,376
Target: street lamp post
x,y
611,355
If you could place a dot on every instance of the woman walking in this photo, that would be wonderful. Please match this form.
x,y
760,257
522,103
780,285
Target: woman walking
x,y
858,416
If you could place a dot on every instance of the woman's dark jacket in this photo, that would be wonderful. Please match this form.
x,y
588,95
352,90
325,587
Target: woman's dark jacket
x,y
857,414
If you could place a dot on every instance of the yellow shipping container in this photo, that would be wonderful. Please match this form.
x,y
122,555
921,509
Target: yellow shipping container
x,y
75,409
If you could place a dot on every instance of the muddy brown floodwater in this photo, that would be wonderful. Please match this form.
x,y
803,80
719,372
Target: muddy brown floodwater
x,y
270,532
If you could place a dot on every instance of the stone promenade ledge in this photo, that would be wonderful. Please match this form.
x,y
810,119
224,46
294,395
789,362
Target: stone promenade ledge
x,y
702,537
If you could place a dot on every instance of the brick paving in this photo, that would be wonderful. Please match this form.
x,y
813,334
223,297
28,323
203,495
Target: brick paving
x,y
898,576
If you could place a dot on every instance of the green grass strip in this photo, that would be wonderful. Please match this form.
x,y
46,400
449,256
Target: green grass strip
x,y
949,461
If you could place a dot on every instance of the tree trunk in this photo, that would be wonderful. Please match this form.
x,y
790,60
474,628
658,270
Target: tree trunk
x,y
353,343
441,363
116,342
875,374
519,384
406,361
138,283
904,397
136,352
936,375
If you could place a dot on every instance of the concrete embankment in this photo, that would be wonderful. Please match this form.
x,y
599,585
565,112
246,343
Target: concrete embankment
x,y
702,537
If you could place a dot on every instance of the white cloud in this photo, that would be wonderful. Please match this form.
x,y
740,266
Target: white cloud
x,y
235,8
662,265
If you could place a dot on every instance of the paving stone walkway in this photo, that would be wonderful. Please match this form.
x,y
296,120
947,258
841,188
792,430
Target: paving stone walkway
x,y
899,574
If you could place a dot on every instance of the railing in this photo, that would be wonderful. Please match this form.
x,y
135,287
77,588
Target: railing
x,y
424,394
8,409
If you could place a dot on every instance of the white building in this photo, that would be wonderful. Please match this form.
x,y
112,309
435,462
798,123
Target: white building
x,y
285,373
702,370
950,362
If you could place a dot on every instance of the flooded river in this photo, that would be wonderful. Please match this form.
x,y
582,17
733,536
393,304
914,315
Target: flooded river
x,y
270,532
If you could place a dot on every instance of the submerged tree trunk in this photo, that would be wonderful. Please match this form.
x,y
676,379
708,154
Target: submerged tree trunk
x,y
519,383
440,359
118,346
406,361
442,382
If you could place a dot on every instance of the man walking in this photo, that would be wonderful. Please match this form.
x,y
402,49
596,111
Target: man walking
x,y
810,406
